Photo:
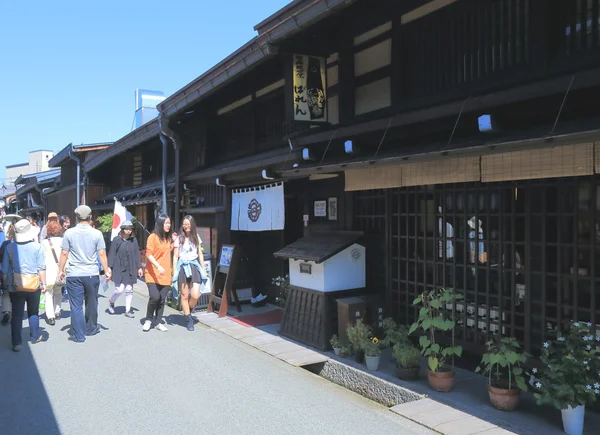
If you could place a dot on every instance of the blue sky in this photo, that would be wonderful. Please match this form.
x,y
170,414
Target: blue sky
x,y
69,69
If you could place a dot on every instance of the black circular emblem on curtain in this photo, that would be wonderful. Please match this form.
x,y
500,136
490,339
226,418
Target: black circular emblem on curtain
x,y
254,210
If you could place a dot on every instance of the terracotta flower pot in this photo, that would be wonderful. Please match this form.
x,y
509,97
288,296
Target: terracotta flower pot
x,y
504,399
407,374
441,381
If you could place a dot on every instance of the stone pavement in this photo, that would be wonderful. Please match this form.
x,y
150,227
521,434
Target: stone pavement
x,y
274,345
466,410
429,413
446,420
125,381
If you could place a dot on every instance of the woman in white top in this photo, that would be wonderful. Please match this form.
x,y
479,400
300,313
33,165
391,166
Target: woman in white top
x,y
190,271
52,248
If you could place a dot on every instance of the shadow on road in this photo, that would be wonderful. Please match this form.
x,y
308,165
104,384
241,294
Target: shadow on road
x,y
25,408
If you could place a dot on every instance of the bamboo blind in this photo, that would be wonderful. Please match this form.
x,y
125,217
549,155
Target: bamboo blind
x,y
452,170
597,157
373,177
560,161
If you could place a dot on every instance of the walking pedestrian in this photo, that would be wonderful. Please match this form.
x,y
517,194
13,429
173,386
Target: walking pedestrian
x,y
25,277
9,233
83,245
52,249
52,217
65,222
158,272
34,227
125,266
190,272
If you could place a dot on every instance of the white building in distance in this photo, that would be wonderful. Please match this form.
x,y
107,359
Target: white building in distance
x,y
38,162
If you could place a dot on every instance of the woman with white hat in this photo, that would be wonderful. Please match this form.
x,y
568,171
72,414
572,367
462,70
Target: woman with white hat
x,y
24,269
126,266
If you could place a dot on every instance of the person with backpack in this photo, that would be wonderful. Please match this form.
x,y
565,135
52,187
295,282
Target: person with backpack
x,y
125,265
24,269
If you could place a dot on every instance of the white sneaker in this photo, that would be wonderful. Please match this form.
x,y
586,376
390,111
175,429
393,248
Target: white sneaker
x,y
162,328
147,326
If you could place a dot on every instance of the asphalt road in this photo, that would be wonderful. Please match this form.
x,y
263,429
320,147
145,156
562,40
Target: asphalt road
x,y
125,381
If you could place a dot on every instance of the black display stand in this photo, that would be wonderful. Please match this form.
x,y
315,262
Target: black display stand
x,y
224,279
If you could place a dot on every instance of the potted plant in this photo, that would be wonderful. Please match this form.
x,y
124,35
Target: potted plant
x,y
503,363
283,282
432,318
358,335
335,344
393,333
408,361
567,379
344,351
372,353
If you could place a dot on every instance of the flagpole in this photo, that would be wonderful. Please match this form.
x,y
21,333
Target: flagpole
x,y
142,225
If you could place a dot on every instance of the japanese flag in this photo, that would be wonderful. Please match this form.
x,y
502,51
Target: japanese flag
x,y
120,215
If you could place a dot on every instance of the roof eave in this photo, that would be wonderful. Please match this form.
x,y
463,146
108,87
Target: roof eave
x,y
250,54
136,137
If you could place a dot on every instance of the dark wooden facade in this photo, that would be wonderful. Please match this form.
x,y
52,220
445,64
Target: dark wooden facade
x,y
410,83
407,83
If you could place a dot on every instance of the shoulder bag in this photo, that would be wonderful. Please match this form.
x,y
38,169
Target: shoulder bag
x,y
58,282
23,282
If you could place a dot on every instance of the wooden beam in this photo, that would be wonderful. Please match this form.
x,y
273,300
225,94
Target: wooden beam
x,y
559,85
257,161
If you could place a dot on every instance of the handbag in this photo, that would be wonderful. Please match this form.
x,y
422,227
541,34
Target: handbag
x,y
58,282
23,282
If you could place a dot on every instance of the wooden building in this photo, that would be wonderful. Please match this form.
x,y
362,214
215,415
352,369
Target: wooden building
x,y
62,199
32,193
130,170
460,136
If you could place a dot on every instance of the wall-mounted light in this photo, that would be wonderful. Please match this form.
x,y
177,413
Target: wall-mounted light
x,y
306,154
267,175
295,165
487,124
349,147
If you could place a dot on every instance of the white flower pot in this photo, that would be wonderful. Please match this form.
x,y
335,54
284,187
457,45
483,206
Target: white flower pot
x,y
372,362
337,351
573,420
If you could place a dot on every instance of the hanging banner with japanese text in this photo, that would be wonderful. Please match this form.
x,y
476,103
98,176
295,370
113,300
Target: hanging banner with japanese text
x,y
309,88
260,208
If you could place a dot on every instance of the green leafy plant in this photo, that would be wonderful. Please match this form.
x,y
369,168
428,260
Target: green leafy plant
x,y
432,317
106,222
503,363
335,342
283,282
358,335
393,333
407,356
567,377
372,347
